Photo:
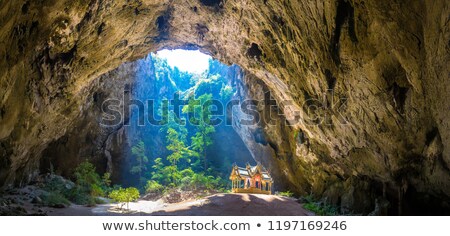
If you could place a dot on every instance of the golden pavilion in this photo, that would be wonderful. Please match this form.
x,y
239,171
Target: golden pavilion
x,y
251,179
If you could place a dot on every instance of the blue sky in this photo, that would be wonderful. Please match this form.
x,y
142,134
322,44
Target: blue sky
x,y
186,60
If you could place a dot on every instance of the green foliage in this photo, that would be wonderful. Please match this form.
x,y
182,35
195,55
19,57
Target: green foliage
x,y
200,115
97,191
192,180
140,161
85,191
87,178
184,164
124,196
177,146
153,187
55,199
158,173
106,182
89,185
319,207
286,194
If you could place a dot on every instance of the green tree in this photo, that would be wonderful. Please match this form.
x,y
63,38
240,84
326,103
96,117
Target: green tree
x,y
153,187
177,146
124,196
179,153
165,175
158,171
200,116
141,160
87,179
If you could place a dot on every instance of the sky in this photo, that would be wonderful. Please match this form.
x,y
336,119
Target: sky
x,y
186,60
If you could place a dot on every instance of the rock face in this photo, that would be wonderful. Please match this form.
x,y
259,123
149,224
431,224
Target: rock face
x,y
363,85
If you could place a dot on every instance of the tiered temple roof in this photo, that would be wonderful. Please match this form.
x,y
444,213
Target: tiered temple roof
x,y
249,171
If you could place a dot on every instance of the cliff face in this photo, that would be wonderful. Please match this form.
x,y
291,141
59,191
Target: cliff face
x,y
363,85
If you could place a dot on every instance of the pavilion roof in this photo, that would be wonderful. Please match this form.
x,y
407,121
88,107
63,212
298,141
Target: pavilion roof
x,y
249,171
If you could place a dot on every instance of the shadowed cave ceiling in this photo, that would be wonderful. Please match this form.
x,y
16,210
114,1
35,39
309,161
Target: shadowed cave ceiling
x,y
388,60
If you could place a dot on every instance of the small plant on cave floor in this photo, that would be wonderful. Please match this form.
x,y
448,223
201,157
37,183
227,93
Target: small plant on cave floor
x,y
286,194
123,196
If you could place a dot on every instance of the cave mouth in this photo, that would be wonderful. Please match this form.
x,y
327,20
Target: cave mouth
x,y
191,61
176,123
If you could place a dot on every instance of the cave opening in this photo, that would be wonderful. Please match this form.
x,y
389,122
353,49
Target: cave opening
x,y
178,128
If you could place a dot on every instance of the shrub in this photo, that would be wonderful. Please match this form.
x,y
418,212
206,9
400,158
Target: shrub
x,y
106,181
57,183
55,199
97,191
286,194
80,197
319,207
89,185
153,187
86,176
124,196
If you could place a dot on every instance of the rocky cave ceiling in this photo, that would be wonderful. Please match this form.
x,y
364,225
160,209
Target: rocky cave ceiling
x,y
388,60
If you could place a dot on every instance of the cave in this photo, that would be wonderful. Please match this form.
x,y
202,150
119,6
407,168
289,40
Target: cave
x,y
385,152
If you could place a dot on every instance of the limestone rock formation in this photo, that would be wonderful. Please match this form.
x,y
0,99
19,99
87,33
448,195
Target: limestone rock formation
x,y
362,84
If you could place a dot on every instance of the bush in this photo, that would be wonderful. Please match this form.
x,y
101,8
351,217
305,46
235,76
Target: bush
x,y
124,196
80,197
201,181
56,183
89,185
106,182
86,177
55,199
319,207
286,194
153,187
97,191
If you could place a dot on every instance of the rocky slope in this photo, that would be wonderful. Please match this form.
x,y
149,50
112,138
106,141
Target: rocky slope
x,y
363,84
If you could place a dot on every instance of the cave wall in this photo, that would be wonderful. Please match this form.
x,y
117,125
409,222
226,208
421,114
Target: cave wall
x,y
368,81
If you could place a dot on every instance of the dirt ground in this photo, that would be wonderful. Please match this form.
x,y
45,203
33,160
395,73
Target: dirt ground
x,y
215,205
